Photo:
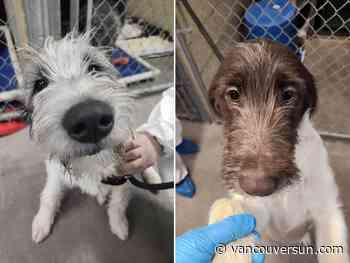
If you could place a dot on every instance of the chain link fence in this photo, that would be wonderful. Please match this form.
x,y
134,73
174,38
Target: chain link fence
x,y
188,107
139,33
317,31
10,72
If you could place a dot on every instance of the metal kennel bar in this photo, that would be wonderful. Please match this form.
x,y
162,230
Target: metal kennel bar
x,y
192,106
317,31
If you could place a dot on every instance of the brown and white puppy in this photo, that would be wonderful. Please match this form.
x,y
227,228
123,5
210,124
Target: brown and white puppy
x,y
273,157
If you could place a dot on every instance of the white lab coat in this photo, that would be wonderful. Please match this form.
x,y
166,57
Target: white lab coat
x,y
161,124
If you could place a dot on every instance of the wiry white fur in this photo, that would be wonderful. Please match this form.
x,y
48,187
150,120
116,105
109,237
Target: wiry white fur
x,y
47,129
64,59
69,164
65,64
313,202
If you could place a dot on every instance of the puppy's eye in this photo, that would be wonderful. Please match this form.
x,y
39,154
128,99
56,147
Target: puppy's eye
x,y
288,94
233,94
94,67
40,84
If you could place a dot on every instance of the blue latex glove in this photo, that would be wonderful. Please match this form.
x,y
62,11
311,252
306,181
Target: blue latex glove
x,y
198,246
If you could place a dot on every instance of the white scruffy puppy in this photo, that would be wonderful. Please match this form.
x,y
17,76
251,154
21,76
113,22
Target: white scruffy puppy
x,y
79,112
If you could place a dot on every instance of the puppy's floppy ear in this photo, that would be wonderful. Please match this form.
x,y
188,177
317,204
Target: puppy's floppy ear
x,y
310,98
213,100
216,99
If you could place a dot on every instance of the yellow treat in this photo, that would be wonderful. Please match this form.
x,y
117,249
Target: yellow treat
x,y
221,209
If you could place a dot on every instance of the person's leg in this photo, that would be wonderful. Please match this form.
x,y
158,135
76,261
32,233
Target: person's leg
x,y
187,147
184,183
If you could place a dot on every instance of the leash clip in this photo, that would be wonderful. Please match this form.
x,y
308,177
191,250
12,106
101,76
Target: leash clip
x,y
119,180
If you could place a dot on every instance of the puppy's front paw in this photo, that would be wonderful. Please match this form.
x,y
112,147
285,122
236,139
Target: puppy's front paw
x,y
41,226
102,195
101,199
120,228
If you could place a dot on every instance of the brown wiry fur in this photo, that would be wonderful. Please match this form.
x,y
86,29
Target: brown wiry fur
x,y
260,128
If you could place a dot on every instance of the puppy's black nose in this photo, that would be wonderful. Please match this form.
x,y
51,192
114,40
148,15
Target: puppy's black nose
x,y
89,121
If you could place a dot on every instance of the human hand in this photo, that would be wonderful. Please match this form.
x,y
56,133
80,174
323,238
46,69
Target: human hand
x,y
198,246
139,154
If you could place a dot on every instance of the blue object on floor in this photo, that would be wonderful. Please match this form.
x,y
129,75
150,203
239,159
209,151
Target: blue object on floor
x,y
186,187
187,147
272,19
133,67
7,72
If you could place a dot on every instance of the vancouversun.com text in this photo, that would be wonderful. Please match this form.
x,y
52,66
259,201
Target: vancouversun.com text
x,y
295,249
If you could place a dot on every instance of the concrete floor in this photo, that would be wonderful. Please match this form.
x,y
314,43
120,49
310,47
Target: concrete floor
x,y
332,115
81,233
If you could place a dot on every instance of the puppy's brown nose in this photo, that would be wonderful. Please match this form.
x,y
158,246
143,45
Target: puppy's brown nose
x,y
260,185
89,121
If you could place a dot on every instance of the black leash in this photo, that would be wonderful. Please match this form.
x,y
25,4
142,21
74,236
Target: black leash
x,y
119,180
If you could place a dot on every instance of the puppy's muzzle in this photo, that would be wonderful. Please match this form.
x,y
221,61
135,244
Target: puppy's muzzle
x,y
255,182
89,121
